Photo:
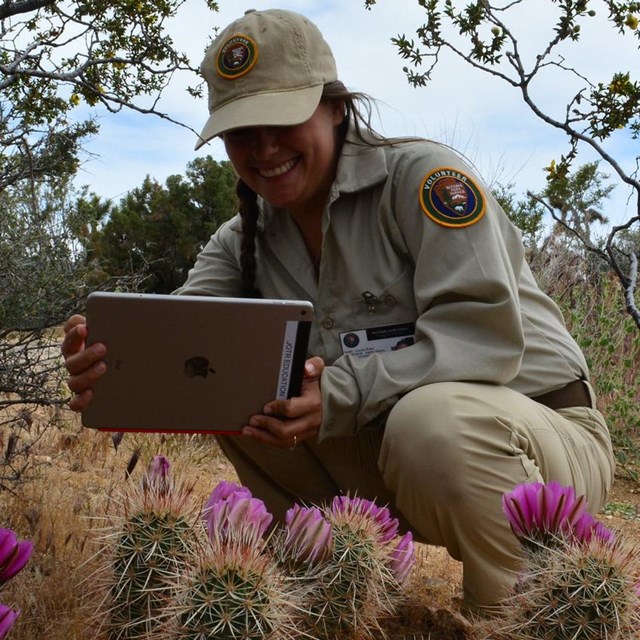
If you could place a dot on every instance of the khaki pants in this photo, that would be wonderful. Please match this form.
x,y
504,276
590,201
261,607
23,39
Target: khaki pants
x,y
445,457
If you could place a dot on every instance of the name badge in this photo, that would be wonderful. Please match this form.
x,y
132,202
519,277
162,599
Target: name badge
x,y
364,342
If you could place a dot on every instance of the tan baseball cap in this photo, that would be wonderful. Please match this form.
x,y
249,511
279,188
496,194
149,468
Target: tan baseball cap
x,y
265,69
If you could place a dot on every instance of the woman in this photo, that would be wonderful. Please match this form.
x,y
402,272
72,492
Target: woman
x,y
395,242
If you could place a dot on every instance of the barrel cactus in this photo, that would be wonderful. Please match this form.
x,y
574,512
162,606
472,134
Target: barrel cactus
x,y
146,548
235,589
578,581
586,591
351,562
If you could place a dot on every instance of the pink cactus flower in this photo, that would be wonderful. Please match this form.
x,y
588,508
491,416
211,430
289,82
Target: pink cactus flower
x,y
588,527
308,534
231,513
224,489
7,618
157,475
387,525
13,554
402,558
539,512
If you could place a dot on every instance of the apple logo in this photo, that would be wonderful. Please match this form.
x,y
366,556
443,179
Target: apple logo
x,y
197,366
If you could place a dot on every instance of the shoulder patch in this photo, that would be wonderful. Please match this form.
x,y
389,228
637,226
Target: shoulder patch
x,y
236,56
451,198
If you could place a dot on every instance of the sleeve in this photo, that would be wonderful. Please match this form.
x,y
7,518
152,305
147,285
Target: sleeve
x,y
467,267
216,271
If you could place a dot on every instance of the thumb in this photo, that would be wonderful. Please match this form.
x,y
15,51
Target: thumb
x,y
313,368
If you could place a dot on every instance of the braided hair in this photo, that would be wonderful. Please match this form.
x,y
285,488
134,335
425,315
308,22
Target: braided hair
x,y
249,213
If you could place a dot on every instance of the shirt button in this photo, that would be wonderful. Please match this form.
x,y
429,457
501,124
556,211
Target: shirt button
x,y
327,323
390,300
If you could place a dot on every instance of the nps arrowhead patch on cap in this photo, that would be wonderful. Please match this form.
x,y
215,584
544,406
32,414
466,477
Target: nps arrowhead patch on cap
x,y
451,198
236,56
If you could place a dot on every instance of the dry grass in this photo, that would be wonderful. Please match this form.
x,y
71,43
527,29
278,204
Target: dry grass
x,y
80,477
79,483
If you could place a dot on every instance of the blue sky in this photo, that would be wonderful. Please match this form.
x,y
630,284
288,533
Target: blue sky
x,y
479,115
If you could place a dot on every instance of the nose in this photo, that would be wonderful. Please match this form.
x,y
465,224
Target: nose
x,y
265,142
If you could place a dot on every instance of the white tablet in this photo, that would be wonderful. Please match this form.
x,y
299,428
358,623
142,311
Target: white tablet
x,y
193,363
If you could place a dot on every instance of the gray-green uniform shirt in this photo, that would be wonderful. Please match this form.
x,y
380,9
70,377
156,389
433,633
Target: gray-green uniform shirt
x,y
410,236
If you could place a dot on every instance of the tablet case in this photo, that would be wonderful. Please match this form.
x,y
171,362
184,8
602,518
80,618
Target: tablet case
x,y
193,363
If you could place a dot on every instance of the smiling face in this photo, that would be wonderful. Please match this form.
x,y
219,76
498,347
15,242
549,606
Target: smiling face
x,y
291,167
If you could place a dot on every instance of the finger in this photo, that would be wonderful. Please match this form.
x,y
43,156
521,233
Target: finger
x,y
74,337
265,436
83,360
83,381
280,432
292,408
80,401
276,427
313,368
74,321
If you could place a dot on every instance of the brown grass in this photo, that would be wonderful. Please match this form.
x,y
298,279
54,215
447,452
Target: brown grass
x,y
79,483
79,480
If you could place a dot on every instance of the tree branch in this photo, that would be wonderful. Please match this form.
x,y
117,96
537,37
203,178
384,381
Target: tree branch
x,y
8,8
629,294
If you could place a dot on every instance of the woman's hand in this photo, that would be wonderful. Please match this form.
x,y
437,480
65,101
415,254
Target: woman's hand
x,y
284,423
85,365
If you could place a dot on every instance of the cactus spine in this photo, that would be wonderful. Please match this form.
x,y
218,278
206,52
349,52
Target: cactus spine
x,y
577,582
350,570
331,572
148,546
577,592
235,590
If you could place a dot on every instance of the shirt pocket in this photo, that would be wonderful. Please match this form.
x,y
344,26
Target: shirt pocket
x,y
395,301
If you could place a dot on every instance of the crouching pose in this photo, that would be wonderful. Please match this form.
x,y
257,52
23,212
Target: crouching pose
x,y
439,375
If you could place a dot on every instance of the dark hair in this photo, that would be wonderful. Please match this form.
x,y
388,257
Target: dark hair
x,y
358,110
249,213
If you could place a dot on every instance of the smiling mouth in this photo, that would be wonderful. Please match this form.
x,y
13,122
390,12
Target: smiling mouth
x,y
277,171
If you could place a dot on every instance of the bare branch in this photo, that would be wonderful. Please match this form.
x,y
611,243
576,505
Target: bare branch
x,y
631,289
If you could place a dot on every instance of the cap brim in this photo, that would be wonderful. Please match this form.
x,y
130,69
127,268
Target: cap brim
x,y
262,110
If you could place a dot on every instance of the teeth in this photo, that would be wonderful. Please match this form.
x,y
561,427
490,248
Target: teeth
x,y
277,171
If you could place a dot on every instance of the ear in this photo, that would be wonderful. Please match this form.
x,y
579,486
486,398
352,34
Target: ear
x,y
337,111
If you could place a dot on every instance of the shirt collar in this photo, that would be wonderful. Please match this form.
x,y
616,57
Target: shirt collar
x,y
360,165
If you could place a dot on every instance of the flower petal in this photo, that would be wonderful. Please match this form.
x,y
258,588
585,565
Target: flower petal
x,y
14,555
403,558
7,618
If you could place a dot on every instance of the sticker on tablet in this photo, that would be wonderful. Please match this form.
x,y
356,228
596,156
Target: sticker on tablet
x,y
451,198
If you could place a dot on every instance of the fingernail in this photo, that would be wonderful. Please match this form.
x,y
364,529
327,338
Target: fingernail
x,y
310,368
98,349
